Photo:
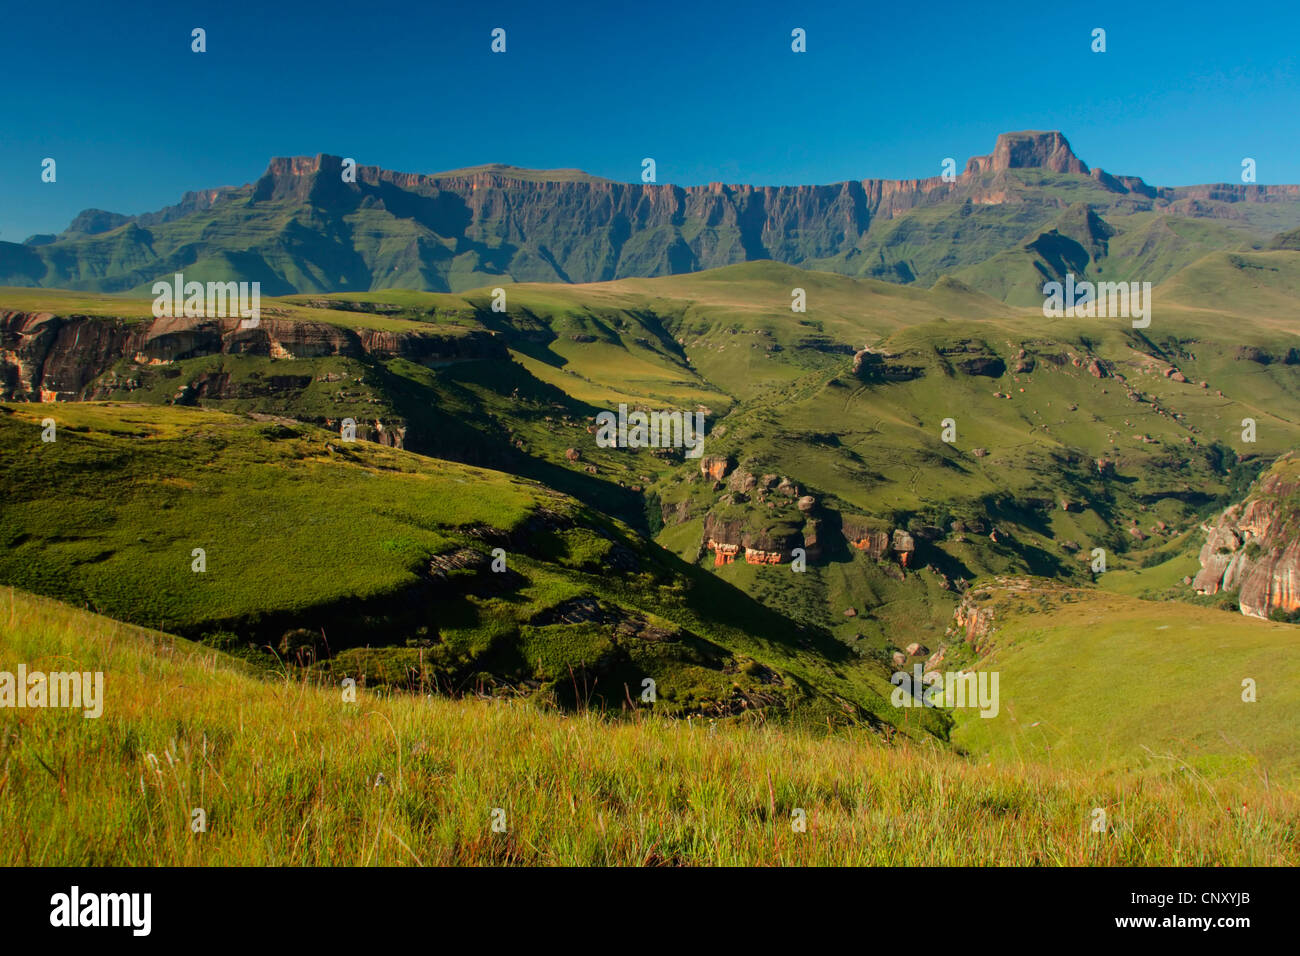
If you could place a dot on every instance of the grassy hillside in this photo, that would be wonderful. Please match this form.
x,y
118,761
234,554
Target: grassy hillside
x,y
1071,434
288,774
1094,679
358,559
139,307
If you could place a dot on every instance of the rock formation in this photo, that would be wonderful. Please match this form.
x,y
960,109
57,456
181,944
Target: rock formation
x,y
1254,546
46,357
506,216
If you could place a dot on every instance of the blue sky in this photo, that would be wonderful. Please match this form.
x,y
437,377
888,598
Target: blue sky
x,y
711,91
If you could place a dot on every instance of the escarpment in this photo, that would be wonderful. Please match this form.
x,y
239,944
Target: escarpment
x,y
48,357
445,232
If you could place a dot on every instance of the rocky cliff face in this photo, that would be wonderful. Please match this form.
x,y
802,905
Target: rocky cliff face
x,y
407,230
1029,150
734,539
47,357
1254,547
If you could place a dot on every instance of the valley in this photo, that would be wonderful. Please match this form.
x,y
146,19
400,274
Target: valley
x,y
632,500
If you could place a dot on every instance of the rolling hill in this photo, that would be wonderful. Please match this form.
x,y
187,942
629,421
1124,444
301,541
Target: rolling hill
x,y
825,433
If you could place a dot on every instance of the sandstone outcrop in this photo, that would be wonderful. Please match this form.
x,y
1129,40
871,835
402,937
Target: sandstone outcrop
x,y
732,538
904,545
47,357
715,467
1254,546
971,620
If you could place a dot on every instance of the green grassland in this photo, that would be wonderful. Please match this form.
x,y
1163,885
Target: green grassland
x,y
288,774
328,559
781,398
139,307
303,533
1095,679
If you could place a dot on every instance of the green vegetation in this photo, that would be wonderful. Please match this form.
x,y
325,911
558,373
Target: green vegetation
x,y
386,555
1091,679
376,559
290,775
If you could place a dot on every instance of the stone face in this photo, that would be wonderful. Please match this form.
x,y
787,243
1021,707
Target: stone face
x,y
972,620
728,539
812,539
723,553
742,480
1027,150
876,366
45,354
904,545
714,467
1254,547
866,534
507,216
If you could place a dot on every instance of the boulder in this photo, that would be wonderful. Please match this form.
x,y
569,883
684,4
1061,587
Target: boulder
x,y
714,467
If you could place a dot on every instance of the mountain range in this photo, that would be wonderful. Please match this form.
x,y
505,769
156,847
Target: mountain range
x,y
1028,212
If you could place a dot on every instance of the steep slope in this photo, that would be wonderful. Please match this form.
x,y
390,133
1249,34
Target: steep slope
x,y
289,776
825,429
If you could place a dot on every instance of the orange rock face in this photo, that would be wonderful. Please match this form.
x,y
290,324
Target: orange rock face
x,y
714,467
723,553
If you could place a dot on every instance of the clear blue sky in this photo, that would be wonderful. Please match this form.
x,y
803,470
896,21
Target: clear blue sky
x,y
711,91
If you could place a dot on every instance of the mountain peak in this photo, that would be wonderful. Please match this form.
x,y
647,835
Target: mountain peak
x,y
1029,149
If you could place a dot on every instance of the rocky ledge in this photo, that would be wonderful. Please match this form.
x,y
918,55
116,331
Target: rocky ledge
x,y
47,357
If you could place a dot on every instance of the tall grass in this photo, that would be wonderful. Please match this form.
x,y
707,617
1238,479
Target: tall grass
x,y
291,775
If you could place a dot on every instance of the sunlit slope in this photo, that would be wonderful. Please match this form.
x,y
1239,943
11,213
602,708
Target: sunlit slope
x,y
1089,678
707,336
287,774
1262,287
375,561
139,307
